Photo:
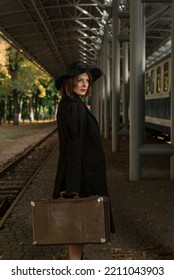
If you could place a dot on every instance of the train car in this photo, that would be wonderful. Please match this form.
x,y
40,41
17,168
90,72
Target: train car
x,y
157,97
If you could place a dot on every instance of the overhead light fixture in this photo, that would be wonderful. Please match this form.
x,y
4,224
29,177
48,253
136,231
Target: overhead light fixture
x,y
108,3
85,12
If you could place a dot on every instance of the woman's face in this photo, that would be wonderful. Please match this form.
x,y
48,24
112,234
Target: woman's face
x,y
81,84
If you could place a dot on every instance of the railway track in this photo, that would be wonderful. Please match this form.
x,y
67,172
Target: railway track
x,y
17,175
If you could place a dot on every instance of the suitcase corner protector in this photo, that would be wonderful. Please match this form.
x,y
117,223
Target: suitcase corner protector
x,y
32,203
103,240
101,199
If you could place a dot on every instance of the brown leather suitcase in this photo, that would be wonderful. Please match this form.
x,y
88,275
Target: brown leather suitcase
x,y
71,221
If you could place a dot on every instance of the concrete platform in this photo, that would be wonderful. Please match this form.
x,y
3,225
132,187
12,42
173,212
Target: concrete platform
x,y
143,212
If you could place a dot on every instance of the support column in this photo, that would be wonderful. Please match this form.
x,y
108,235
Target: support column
x,y
107,83
136,87
101,116
172,92
115,75
126,89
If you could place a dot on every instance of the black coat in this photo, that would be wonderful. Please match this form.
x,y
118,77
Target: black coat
x,y
81,165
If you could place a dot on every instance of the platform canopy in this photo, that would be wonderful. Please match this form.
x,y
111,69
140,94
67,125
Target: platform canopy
x,y
55,33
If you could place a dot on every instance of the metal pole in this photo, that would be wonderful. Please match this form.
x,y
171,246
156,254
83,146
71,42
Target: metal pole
x,y
126,89
172,92
101,96
115,75
156,1
136,86
107,83
142,97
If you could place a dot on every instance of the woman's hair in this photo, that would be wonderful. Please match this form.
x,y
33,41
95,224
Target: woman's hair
x,y
68,85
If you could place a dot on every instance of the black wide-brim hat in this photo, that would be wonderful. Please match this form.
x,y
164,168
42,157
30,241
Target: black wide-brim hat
x,y
77,69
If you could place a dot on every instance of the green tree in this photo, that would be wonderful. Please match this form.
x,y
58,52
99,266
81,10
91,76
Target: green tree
x,y
25,89
27,81
52,98
15,59
28,85
5,89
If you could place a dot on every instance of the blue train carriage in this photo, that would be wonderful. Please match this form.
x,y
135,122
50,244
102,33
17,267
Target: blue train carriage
x,y
157,98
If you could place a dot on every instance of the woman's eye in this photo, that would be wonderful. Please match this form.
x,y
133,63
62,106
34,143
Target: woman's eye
x,y
83,81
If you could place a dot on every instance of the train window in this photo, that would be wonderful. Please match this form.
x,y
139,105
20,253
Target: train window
x,y
147,84
158,80
166,76
151,82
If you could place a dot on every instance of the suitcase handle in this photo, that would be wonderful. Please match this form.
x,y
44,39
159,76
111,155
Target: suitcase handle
x,y
65,194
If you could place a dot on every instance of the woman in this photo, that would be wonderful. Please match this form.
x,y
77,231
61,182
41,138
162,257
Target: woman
x,y
81,166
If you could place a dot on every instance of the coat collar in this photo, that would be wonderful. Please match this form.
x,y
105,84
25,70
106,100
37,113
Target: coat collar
x,y
77,99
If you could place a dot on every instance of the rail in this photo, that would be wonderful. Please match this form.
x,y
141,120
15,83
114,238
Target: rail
x,y
18,174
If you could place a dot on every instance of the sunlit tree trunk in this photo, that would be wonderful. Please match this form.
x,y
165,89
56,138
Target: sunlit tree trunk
x,y
31,110
16,108
20,109
5,108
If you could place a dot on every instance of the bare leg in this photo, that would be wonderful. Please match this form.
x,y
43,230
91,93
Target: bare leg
x,y
76,251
